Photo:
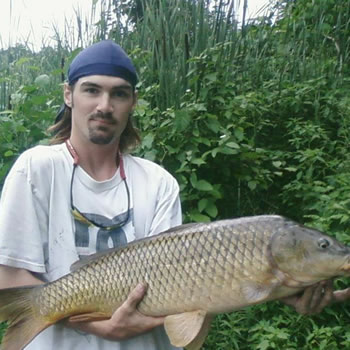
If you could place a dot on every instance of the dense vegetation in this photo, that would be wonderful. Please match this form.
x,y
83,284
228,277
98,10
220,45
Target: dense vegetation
x,y
251,119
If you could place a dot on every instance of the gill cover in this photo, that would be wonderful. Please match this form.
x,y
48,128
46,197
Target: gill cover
x,y
307,255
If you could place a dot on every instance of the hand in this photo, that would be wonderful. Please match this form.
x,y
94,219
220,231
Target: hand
x,y
314,298
126,322
341,295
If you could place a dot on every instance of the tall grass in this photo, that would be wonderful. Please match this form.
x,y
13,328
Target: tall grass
x,y
173,33
284,43
280,44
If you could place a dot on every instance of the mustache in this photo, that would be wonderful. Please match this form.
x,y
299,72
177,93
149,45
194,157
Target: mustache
x,y
102,116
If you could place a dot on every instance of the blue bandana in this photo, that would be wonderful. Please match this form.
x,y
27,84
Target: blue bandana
x,y
102,58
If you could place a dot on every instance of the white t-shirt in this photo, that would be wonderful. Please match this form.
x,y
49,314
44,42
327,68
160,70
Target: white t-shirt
x,y
38,232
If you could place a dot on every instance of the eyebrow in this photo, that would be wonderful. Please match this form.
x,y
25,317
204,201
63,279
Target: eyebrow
x,y
115,87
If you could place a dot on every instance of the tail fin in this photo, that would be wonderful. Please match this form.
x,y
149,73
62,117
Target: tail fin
x,y
16,307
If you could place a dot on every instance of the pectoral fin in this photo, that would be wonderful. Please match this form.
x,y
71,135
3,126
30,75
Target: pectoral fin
x,y
188,329
256,293
92,316
200,338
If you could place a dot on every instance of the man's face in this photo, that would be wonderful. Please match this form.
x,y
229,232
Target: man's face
x,y
101,106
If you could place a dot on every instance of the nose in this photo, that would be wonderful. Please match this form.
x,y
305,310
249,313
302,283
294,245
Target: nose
x,y
104,103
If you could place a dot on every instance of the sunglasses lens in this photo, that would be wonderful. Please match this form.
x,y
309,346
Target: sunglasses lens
x,y
80,217
84,220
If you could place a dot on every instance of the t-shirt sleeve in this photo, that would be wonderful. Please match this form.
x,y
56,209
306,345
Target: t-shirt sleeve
x,y
167,213
23,219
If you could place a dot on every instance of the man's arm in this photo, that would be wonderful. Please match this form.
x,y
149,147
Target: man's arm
x,y
12,277
126,322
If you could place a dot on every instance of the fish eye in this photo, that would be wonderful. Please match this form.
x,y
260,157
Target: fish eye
x,y
324,243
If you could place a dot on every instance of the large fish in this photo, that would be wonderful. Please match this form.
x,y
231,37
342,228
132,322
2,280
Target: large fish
x,y
193,272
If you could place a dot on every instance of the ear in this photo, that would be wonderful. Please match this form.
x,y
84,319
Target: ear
x,y
68,95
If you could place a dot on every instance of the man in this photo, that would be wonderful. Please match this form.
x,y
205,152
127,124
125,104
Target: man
x,y
85,194
114,198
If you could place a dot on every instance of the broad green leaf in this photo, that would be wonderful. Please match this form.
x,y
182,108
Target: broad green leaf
x,y
213,124
200,107
197,217
8,153
42,80
182,120
239,134
193,180
232,145
151,155
227,150
147,140
211,209
203,185
198,161
211,77
219,98
252,185
202,204
291,169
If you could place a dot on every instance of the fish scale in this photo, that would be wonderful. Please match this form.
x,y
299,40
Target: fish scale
x,y
192,272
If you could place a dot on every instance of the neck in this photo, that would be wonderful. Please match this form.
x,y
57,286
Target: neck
x,y
99,161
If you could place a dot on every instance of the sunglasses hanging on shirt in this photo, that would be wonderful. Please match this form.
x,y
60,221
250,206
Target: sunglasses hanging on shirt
x,y
77,214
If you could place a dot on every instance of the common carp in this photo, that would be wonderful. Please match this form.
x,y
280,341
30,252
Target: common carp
x,y
193,272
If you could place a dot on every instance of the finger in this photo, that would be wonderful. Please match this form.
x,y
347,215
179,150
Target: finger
x,y
155,321
303,304
135,296
327,296
316,298
341,295
291,301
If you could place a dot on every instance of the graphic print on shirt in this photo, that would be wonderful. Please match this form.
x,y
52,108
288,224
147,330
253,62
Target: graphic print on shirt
x,y
91,239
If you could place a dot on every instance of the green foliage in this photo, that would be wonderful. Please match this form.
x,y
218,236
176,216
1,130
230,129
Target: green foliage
x,y
275,142
211,128
25,124
31,96
2,329
274,326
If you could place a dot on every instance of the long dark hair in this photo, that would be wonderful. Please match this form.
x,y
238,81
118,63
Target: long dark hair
x,y
61,130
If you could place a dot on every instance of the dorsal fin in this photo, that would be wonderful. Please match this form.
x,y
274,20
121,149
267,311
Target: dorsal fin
x,y
85,260
90,258
183,227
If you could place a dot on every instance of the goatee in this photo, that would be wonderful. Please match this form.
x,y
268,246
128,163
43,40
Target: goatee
x,y
101,135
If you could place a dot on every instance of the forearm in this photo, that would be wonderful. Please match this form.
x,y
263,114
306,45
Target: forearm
x,y
13,277
98,328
